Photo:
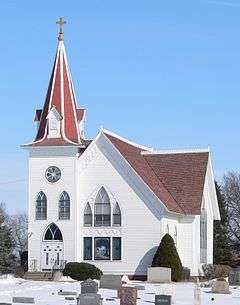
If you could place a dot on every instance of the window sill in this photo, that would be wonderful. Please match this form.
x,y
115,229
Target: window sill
x,y
103,261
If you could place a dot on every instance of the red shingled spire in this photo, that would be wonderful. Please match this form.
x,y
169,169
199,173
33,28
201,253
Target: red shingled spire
x,y
61,101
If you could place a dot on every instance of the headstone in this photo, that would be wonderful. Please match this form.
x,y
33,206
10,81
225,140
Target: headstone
x,y
220,287
127,295
234,277
67,293
162,300
159,275
89,286
111,281
162,289
69,298
24,300
89,299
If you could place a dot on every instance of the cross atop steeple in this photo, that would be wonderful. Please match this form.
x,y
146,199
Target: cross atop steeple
x,y
61,23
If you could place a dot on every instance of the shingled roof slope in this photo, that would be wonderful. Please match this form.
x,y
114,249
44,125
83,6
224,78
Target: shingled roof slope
x,y
183,175
134,157
176,179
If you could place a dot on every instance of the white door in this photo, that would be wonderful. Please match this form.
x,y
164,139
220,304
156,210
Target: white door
x,y
51,255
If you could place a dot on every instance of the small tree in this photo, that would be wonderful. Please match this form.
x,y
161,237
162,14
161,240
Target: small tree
x,y
221,243
7,259
167,256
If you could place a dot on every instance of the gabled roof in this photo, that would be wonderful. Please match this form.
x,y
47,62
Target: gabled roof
x,y
60,94
177,179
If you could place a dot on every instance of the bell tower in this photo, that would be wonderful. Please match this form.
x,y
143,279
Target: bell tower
x,y
53,164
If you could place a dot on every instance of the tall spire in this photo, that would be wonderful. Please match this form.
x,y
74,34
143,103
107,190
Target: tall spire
x,y
60,122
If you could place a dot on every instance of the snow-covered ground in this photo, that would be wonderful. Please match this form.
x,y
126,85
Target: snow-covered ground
x,y
46,293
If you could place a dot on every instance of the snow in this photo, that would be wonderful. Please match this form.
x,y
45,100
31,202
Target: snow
x,y
46,293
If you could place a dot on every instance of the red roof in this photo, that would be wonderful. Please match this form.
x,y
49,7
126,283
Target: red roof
x,y
176,179
60,94
80,114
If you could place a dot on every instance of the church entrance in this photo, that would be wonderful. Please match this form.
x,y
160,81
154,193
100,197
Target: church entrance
x,y
52,256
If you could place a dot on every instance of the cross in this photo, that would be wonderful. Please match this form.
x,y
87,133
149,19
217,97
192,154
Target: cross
x,y
61,23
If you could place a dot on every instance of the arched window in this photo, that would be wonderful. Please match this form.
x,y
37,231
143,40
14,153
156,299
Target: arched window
x,y
87,216
64,206
41,206
53,233
102,209
116,215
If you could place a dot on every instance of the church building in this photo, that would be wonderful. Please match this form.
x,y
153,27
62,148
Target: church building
x,y
108,201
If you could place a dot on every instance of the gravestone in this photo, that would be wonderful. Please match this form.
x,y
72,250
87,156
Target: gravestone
x,y
162,289
69,298
163,300
220,287
234,277
111,281
89,286
127,295
24,300
159,275
89,299
67,293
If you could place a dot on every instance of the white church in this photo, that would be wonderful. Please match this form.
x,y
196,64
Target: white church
x,y
109,201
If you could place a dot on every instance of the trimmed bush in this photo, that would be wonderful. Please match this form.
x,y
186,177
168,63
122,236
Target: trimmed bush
x,y
167,256
82,271
212,271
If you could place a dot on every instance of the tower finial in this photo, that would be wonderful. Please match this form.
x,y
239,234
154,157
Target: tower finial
x,y
61,23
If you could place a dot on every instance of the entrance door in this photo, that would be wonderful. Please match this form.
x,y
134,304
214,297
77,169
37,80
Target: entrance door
x,y
52,255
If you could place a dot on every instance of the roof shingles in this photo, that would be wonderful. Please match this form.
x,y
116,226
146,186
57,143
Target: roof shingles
x,y
176,179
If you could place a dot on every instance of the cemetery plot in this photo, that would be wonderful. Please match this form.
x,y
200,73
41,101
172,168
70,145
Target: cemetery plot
x,y
46,293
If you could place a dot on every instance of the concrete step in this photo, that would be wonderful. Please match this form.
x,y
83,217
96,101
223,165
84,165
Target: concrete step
x,y
38,276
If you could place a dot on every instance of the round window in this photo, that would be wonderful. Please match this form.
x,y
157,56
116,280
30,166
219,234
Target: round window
x,y
53,174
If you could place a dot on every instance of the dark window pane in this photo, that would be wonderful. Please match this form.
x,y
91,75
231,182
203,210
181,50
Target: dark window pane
x,y
87,241
102,248
48,235
53,227
116,220
102,220
58,235
116,248
88,220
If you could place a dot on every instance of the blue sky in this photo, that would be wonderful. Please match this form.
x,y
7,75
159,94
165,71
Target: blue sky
x,y
161,73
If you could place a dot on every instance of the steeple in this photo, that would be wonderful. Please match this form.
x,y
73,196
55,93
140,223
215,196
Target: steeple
x,y
60,122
